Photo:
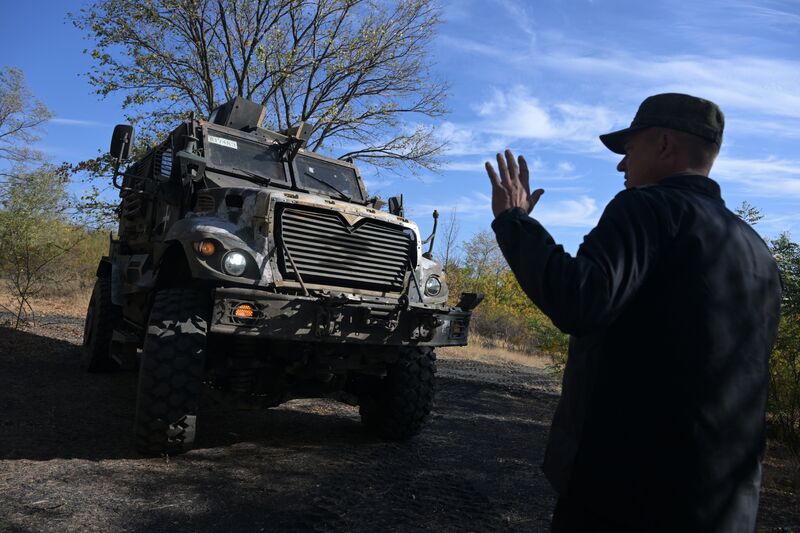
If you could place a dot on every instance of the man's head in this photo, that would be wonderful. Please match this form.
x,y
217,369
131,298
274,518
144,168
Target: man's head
x,y
670,133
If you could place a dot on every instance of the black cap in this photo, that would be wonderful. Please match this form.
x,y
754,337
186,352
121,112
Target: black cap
x,y
676,111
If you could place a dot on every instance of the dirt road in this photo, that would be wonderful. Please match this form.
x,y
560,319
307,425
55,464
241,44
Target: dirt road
x,y
67,462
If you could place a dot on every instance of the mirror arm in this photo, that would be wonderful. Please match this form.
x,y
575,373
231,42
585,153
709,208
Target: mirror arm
x,y
432,237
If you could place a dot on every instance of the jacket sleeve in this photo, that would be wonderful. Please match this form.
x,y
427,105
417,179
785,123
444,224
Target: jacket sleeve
x,y
583,293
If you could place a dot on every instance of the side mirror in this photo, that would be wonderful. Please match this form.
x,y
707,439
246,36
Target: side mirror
x,y
469,300
121,141
396,206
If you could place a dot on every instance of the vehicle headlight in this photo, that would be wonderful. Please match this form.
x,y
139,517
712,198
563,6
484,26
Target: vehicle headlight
x,y
234,263
433,286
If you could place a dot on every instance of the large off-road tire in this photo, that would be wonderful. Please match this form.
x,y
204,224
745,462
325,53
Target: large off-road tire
x,y
397,406
171,372
102,317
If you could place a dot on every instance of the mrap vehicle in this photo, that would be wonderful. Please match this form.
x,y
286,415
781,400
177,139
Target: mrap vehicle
x,y
260,272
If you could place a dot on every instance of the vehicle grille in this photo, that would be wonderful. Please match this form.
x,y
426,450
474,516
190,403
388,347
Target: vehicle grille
x,y
371,254
205,203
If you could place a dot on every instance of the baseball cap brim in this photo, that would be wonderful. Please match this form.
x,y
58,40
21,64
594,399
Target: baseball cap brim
x,y
615,141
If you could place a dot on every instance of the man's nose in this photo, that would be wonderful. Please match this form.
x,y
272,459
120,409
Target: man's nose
x,y
621,167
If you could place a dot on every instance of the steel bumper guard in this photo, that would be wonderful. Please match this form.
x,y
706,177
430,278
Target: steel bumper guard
x,y
340,319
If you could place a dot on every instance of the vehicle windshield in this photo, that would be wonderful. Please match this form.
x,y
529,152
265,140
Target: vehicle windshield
x,y
239,156
338,181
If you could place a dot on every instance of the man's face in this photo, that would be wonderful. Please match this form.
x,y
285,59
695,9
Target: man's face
x,y
641,159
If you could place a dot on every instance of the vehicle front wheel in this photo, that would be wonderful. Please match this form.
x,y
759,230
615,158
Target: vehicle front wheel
x,y
397,406
102,316
171,372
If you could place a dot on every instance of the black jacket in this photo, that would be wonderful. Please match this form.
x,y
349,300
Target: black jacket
x,y
672,305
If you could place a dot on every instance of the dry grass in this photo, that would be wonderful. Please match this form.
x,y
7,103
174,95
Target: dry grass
x,y
480,349
73,305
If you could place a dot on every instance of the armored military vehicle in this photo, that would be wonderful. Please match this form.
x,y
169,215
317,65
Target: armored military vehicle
x,y
260,272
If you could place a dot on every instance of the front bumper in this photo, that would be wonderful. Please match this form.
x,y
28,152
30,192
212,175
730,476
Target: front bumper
x,y
338,320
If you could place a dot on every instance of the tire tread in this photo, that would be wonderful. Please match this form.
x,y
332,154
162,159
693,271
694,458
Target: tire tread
x,y
401,402
171,372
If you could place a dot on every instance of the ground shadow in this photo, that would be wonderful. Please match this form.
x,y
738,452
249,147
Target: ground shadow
x,y
52,408
308,467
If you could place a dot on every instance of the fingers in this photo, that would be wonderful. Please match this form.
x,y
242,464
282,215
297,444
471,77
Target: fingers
x,y
492,176
534,199
511,183
524,176
513,170
502,169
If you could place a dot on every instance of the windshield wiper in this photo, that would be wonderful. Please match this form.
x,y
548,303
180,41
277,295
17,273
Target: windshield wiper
x,y
313,177
252,176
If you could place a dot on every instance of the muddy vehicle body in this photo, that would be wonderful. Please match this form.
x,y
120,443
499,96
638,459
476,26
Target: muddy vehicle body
x,y
261,272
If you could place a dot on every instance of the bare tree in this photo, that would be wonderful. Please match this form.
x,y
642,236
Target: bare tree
x,y
482,256
449,243
355,69
21,117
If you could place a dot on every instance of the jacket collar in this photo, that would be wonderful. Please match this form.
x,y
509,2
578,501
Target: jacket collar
x,y
695,182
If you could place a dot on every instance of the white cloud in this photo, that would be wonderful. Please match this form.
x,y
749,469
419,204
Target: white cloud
x,y
464,166
580,213
468,45
520,115
770,177
519,15
777,224
515,114
566,167
61,151
759,97
473,206
751,90
755,84
77,122
457,11
779,128
540,171
468,139
373,185
769,15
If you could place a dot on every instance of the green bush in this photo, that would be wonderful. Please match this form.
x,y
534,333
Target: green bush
x,y
506,317
45,253
784,393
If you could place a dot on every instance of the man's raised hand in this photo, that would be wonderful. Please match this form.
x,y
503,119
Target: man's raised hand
x,y
512,187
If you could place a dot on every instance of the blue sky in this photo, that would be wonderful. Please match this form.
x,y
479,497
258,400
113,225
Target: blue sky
x,y
543,78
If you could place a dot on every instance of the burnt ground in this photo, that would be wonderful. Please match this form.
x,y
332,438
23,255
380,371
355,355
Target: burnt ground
x,y
67,461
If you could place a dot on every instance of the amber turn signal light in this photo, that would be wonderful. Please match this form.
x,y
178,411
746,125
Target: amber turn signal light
x,y
205,248
244,311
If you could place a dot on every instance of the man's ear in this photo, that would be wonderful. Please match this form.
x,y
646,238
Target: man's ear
x,y
667,144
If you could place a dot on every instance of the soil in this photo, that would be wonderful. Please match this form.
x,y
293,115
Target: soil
x,y
67,461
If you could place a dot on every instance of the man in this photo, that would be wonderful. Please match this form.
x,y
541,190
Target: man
x,y
672,305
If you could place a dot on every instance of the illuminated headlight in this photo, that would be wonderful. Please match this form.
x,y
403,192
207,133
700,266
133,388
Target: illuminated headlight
x,y
234,263
433,286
